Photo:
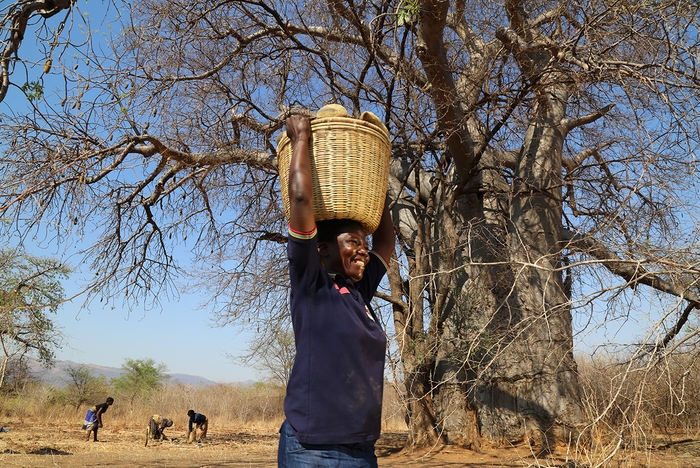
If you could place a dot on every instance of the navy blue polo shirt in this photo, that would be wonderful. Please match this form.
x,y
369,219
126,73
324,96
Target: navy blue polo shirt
x,y
334,395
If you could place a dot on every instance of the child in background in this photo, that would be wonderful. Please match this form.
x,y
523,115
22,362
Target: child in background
x,y
93,418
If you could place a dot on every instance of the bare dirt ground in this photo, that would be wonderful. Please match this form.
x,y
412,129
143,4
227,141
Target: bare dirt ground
x,y
36,445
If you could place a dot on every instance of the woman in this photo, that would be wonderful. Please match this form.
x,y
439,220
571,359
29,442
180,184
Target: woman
x,y
334,396
200,424
157,426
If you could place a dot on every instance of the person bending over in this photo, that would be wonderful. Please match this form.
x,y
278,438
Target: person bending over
x,y
156,427
200,424
93,418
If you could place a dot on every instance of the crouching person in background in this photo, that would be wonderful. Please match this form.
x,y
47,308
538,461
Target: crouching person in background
x,y
156,427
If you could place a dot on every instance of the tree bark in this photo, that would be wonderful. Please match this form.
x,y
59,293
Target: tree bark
x,y
502,346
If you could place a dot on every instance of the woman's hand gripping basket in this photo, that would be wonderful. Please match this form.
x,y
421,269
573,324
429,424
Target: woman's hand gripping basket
x,y
350,168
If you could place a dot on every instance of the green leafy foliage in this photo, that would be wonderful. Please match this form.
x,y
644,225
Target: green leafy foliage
x,y
33,90
407,12
30,292
141,378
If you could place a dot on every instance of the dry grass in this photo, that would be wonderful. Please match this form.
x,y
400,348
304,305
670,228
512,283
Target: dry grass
x,y
644,417
641,403
257,407
35,445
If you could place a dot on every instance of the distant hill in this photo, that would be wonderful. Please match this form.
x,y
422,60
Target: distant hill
x,y
57,376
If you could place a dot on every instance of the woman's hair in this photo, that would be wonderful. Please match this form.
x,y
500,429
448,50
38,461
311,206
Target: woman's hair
x,y
190,413
329,229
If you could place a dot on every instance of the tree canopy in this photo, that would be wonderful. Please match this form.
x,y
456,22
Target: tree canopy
x,y
544,173
140,378
30,293
82,386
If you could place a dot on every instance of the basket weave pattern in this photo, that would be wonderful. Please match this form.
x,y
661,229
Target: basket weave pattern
x,y
349,166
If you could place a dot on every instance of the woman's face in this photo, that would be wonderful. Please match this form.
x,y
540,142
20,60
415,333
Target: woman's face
x,y
349,255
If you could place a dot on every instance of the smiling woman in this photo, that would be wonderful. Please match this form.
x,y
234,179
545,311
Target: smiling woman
x,y
334,395
343,248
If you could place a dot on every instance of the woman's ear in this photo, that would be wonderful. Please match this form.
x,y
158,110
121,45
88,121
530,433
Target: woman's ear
x,y
322,253
323,249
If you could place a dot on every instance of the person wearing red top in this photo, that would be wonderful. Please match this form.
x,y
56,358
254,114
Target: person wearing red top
x,y
334,395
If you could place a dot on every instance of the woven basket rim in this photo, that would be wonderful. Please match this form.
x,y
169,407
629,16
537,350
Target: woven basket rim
x,y
283,139
371,199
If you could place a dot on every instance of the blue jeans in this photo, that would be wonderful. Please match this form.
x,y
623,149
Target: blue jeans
x,y
294,454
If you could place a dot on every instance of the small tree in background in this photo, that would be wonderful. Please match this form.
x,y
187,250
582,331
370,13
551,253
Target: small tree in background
x,y
141,377
30,292
82,386
272,353
17,377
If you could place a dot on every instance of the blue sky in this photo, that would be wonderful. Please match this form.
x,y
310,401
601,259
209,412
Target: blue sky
x,y
178,333
181,336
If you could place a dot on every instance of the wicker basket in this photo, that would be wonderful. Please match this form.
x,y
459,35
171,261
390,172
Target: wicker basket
x,y
350,169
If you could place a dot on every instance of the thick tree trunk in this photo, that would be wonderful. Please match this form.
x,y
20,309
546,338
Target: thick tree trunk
x,y
505,370
530,391
456,415
503,367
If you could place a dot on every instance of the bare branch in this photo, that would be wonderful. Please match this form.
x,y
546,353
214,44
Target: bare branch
x,y
15,22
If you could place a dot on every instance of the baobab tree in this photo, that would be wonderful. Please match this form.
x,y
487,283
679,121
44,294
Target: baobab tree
x,y
543,158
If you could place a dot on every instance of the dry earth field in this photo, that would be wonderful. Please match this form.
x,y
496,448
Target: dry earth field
x,y
33,444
